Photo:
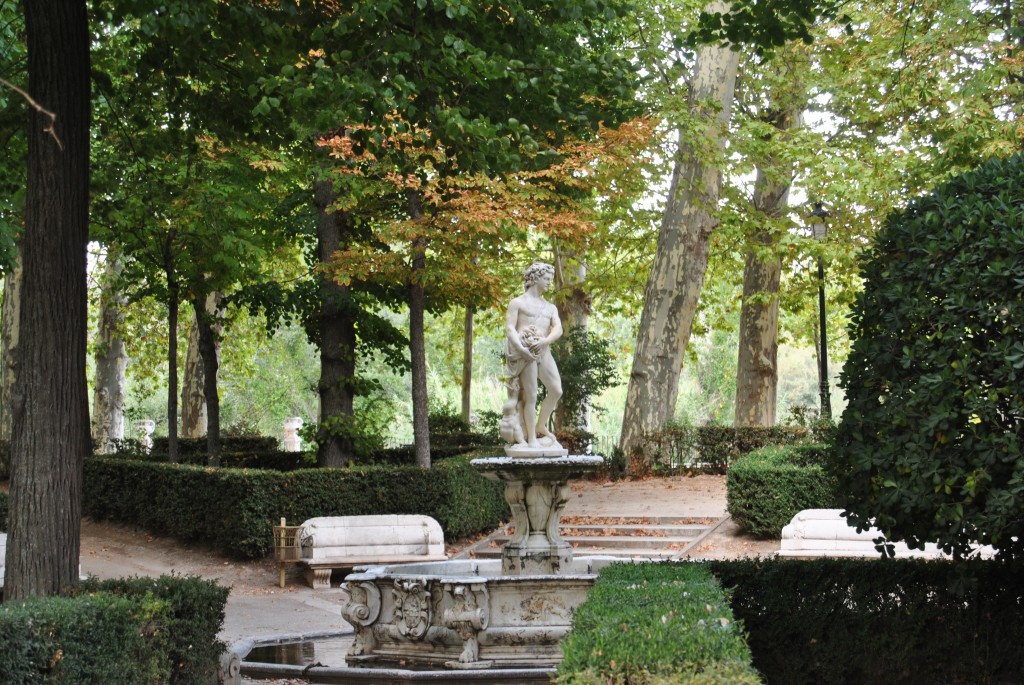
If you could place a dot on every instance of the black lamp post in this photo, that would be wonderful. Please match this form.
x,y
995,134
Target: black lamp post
x,y
818,228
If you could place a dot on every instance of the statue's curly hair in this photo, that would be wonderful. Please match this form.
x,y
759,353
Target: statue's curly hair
x,y
535,271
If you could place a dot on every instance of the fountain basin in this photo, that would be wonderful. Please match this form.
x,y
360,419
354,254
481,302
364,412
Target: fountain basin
x,y
463,615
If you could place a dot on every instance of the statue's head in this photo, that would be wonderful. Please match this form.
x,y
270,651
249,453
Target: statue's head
x,y
535,271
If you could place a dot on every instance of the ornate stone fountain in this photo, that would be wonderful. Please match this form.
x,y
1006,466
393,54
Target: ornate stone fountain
x,y
507,613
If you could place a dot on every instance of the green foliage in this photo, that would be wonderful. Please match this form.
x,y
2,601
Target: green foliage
x,y
929,448
4,509
196,614
446,420
766,24
863,622
768,487
95,638
191,447
587,367
232,510
712,448
655,623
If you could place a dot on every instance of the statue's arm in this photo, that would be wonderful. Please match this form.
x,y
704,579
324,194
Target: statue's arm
x,y
511,334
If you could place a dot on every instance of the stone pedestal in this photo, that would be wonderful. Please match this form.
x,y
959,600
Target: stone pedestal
x,y
536,490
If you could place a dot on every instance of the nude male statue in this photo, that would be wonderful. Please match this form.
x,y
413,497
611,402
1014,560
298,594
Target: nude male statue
x,y
531,325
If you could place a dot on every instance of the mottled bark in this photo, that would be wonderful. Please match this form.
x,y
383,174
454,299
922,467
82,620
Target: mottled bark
x,y
194,419
207,324
193,400
337,336
110,360
757,375
8,350
681,258
50,410
467,364
417,341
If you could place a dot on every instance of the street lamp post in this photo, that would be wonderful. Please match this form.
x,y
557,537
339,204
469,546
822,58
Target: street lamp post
x,y
820,231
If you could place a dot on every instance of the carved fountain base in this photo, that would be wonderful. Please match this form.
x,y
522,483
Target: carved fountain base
x,y
470,614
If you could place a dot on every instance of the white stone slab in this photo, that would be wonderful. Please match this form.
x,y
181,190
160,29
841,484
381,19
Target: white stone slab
x,y
3,556
825,533
340,542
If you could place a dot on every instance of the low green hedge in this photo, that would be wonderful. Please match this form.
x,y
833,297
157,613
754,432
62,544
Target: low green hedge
x,y
197,446
190,630
665,623
713,448
864,622
233,510
768,487
132,631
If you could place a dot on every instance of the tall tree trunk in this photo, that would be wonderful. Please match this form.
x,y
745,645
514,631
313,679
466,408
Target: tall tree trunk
x,y
194,420
208,316
467,363
50,437
417,340
574,307
8,356
757,374
337,336
110,360
681,258
172,366
193,398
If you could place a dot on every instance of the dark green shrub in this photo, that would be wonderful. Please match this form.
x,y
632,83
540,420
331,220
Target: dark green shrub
x,y
587,367
576,441
94,638
930,445
655,623
712,448
767,488
189,628
232,510
196,447
865,622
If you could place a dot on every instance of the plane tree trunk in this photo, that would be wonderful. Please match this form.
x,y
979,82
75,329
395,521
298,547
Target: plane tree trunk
x,y
681,258
110,361
757,374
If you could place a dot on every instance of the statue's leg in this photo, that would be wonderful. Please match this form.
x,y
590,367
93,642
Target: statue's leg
x,y
528,395
548,372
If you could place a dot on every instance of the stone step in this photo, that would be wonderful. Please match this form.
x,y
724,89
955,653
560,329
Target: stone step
x,y
646,531
626,542
495,553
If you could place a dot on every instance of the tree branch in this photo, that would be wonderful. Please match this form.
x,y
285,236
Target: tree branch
x,y
39,108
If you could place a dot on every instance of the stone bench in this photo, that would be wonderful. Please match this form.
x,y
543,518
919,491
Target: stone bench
x,y
825,533
344,542
3,556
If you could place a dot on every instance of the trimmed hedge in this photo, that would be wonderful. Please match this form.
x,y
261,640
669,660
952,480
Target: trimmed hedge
x,y
127,631
190,630
233,510
656,623
713,448
767,488
859,622
197,446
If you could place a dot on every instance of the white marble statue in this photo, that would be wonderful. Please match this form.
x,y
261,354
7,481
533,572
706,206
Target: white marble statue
x,y
531,326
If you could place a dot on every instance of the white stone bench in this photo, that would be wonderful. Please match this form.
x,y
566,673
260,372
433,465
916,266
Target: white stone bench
x,y
825,533
3,556
344,542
